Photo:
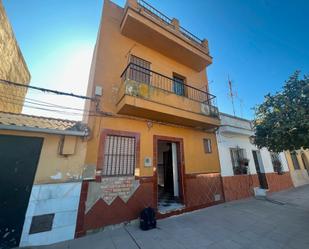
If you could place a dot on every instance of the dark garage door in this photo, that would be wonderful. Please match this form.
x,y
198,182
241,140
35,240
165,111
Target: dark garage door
x,y
18,162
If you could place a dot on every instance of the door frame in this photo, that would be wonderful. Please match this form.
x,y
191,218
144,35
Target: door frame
x,y
181,172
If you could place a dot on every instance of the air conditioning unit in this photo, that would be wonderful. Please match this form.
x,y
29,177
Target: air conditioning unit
x,y
214,111
205,109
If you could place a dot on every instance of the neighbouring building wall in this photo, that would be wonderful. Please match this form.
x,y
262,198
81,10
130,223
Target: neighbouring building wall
x,y
12,68
53,167
276,182
59,199
236,186
56,189
226,142
235,133
299,175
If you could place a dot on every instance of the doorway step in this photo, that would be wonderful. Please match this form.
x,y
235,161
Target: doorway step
x,y
167,202
260,192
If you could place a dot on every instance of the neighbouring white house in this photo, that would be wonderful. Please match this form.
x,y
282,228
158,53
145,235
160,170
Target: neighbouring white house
x,y
243,165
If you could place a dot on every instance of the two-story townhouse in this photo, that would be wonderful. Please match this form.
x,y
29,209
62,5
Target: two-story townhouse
x,y
153,137
245,167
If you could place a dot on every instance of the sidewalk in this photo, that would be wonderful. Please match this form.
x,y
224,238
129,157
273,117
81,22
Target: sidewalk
x,y
250,223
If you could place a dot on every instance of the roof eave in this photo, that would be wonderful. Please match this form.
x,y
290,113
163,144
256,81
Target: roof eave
x,y
44,130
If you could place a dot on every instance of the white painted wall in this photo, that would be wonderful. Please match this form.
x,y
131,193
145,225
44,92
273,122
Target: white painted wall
x,y
268,166
284,162
62,199
227,141
236,132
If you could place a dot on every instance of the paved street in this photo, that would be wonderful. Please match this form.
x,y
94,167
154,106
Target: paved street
x,y
250,223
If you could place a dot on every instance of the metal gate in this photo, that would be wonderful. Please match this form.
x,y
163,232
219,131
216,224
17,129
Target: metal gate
x,y
19,157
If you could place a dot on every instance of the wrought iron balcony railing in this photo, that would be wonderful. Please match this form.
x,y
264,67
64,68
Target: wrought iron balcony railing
x,y
143,75
168,21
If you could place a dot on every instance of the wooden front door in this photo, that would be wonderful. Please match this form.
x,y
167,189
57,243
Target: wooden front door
x,y
18,159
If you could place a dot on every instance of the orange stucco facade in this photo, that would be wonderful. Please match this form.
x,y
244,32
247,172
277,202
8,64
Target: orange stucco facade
x,y
110,59
196,161
149,111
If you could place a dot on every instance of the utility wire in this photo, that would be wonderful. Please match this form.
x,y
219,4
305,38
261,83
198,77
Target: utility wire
x,y
45,109
2,81
39,102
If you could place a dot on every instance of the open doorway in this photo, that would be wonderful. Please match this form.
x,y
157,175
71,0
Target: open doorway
x,y
169,177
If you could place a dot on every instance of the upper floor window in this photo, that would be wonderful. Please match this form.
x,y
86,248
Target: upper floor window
x,y
179,84
295,160
139,70
207,145
239,161
119,155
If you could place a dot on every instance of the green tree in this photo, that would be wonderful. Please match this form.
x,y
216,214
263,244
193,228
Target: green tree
x,y
282,120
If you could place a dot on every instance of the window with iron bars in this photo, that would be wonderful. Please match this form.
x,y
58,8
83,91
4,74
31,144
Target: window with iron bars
x,y
119,155
239,161
140,70
275,159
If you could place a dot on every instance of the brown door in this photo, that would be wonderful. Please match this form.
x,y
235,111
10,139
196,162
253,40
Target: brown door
x,y
261,176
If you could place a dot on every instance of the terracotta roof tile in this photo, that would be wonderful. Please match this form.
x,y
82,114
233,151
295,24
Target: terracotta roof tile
x,y
24,120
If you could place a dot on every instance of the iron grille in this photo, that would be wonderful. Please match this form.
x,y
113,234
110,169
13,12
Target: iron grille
x,y
119,156
145,75
168,21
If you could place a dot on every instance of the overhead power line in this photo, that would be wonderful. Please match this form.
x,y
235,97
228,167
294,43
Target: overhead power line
x,y
38,102
16,100
2,81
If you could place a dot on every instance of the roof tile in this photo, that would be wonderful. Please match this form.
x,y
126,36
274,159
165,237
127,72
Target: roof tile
x,y
24,120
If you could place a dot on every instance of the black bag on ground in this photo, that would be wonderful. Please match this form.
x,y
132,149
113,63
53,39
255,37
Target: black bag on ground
x,y
148,219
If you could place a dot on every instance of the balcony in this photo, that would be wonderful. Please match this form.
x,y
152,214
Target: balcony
x,y
148,26
151,95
